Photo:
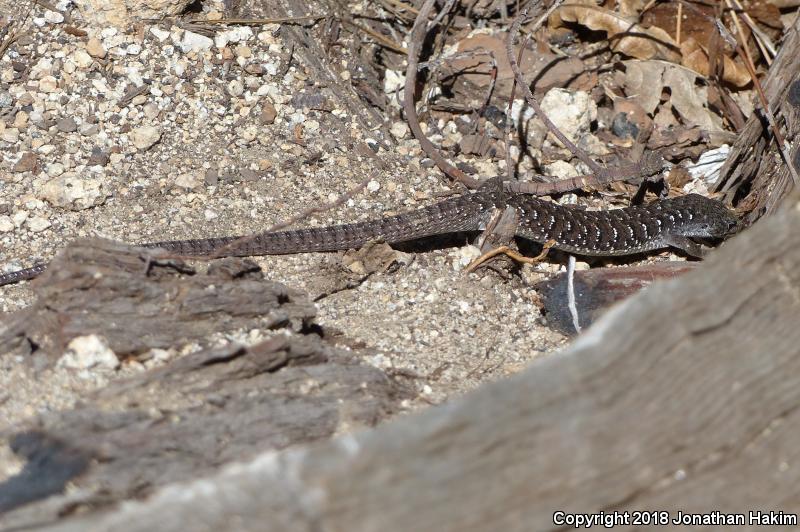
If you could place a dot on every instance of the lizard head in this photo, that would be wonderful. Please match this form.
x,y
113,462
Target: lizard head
x,y
709,218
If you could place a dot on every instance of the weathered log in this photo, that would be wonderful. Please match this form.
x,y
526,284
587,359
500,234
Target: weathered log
x,y
138,302
200,410
684,397
755,171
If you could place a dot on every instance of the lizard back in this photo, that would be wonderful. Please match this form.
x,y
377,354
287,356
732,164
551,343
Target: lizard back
x,y
623,231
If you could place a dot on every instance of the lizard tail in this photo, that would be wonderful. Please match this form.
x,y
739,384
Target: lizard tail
x,y
24,274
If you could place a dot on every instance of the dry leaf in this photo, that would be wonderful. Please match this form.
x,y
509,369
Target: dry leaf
x,y
695,57
484,45
645,81
697,30
631,8
625,35
766,15
696,23
688,99
542,67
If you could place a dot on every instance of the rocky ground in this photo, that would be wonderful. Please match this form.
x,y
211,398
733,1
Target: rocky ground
x,y
175,127
164,133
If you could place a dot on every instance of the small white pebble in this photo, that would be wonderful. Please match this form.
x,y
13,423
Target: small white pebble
x,y
19,218
38,224
158,33
399,130
53,17
6,224
85,352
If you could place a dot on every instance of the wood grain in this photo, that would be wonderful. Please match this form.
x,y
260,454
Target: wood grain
x,y
755,165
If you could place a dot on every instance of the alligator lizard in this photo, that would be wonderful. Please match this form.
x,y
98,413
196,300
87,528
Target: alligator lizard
x,y
661,224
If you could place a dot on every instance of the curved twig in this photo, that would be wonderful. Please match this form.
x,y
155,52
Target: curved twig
x,y
414,46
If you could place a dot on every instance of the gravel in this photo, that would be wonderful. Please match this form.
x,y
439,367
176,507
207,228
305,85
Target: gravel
x,y
228,135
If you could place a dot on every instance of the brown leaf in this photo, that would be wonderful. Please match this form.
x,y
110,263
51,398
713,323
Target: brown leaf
x,y
696,58
625,35
645,80
696,23
631,8
541,67
766,14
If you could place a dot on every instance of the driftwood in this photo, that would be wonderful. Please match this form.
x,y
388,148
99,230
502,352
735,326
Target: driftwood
x,y
685,397
198,412
186,419
137,302
755,170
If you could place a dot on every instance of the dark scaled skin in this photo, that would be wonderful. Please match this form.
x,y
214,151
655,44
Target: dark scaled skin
x,y
667,223
627,231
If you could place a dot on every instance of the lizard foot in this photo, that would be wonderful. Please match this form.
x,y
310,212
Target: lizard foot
x,y
515,255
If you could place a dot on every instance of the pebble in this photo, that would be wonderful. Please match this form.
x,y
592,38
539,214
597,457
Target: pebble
x,y
82,59
159,33
98,157
233,35
88,130
6,224
55,169
27,162
243,51
248,174
95,48
73,193
235,88
249,133
373,186
38,224
20,120
399,130
151,111
53,17
48,84
560,169
67,125
571,111
268,114
5,99
194,42
11,134
189,181
86,352
211,177
144,137
464,256
19,218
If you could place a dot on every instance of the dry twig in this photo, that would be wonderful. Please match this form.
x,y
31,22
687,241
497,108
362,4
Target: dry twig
x,y
414,47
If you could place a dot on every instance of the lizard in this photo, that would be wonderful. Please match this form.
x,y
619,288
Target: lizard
x,y
673,222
